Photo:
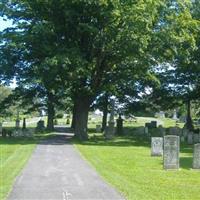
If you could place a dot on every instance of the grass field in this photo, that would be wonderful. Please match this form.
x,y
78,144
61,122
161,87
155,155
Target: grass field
x,y
125,162
14,153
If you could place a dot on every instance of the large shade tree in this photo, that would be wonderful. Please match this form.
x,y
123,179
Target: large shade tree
x,y
94,40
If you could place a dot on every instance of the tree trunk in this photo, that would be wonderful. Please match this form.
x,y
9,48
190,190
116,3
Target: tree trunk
x,y
51,114
73,116
189,124
105,113
81,117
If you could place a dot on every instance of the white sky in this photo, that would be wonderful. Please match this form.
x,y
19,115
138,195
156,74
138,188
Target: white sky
x,y
5,24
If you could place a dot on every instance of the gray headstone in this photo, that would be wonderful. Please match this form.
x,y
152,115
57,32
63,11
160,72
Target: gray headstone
x,y
17,124
140,130
175,131
196,138
156,146
1,129
146,131
98,128
190,138
182,138
161,131
185,132
171,152
196,156
110,130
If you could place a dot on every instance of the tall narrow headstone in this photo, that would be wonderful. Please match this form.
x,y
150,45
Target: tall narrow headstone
x,y
196,138
110,130
98,128
156,146
190,138
196,156
119,129
175,115
17,124
171,152
1,129
185,132
146,131
24,123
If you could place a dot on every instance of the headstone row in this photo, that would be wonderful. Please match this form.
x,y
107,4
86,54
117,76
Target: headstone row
x,y
169,148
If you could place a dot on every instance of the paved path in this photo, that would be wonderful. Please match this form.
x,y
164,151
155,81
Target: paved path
x,y
56,171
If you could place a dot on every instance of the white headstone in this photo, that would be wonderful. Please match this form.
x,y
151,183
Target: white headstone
x,y
196,156
156,146
171,152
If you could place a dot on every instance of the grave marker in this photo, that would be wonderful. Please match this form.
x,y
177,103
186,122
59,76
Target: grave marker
x,y
171,152
196,156
156,146
190,138
98,128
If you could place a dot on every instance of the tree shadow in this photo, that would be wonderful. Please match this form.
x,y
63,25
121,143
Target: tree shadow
x,y
186,162
130,138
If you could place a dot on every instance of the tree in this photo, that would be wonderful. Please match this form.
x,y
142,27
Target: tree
x,y
99,39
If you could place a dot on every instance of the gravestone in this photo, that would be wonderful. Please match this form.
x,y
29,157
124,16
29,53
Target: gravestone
x,y
196,138
17,124
185,132
175,131
171,152
190,138
196,156
140,130
182,138
119,130
110,130
146,131
153,124
161,130
156,146
24,123
98,128
175,115
40,125
1,129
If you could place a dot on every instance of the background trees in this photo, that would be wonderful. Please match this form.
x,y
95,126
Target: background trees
x,y
86,48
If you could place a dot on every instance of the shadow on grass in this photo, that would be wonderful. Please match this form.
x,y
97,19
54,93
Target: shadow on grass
x,y
186,162
58,137
130,138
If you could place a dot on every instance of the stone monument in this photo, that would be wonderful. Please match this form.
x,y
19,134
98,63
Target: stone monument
x,y
156,146
110,130
190,138
1,129
24,123
196,156
171,152
119,130
98,128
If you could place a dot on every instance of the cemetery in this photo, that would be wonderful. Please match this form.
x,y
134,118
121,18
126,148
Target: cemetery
x,y
99,100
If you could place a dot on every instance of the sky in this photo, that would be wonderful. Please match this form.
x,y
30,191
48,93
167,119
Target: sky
x,y
3,25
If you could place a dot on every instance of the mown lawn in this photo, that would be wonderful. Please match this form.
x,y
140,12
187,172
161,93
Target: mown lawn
x,y
125,162
14,154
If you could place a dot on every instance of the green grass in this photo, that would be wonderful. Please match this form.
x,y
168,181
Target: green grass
x,y
14,154
125,162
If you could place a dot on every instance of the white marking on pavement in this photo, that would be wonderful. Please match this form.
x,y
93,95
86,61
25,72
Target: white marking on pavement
x,y
66,196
